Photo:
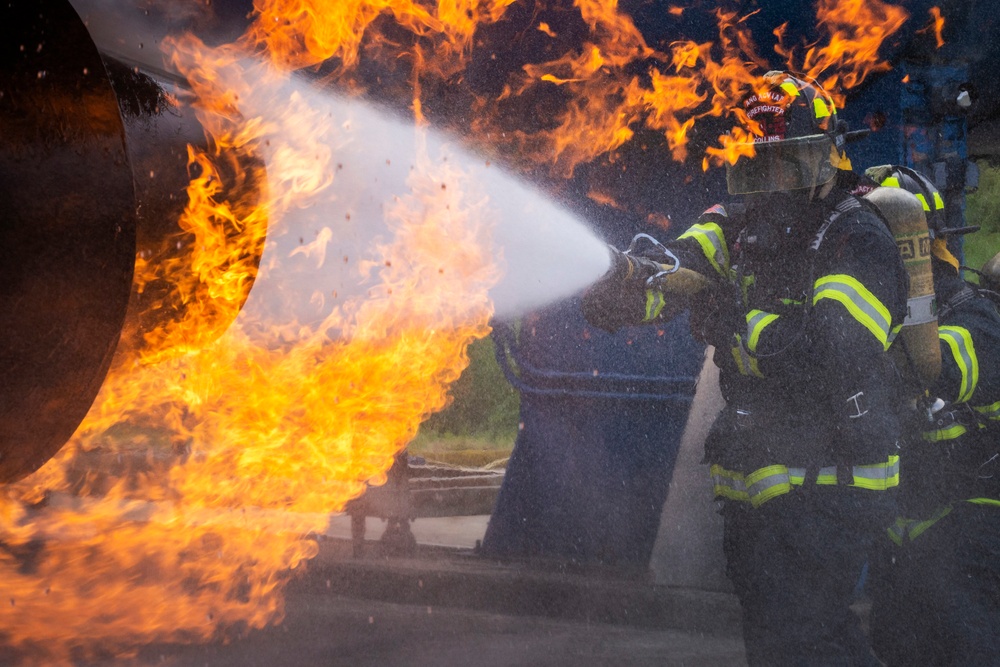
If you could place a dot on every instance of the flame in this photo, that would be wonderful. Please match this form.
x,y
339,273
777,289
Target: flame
x,y
256,430
936,25
856,29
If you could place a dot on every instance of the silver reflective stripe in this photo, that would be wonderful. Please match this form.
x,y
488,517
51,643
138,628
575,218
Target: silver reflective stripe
x,y
757,320
766,485
991,412
960,342
859,301
713,245
770,481
921,310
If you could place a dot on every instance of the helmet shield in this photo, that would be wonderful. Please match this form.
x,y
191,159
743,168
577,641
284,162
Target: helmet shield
x,y
788,164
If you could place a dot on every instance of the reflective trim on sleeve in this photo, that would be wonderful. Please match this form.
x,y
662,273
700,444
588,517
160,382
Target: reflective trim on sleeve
x,y
713,244
860,303
991,412
964,352
771,481
892,334
984,501
654,305
944,434
756,321
745,364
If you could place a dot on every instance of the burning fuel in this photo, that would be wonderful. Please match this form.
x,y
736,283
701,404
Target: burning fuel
x,y
321,324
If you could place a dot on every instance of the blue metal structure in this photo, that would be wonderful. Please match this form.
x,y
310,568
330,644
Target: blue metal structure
x,y
602,415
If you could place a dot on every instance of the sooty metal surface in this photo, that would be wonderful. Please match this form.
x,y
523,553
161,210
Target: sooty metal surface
x,y
67,229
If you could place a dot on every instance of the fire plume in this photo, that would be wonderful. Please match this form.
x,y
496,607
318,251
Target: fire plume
x,y
936,26
856,29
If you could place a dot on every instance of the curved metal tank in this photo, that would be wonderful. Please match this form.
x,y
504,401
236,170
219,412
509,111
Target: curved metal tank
x,y
93,168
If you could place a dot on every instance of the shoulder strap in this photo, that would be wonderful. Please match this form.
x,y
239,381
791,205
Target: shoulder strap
x,y
848,203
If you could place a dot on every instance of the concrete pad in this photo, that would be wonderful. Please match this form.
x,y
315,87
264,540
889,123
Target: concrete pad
x,y
688,548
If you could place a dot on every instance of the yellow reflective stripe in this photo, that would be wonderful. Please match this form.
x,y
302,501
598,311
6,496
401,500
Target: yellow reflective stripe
x,y
959,341
938,202
989,411
729,484
923,201
766,483
820,107
790,88
877,477
940,435
756,321
745,363
654,304
892,334
771,481
919,527
738,357
860,303
713,245
898,530
984,501
891,182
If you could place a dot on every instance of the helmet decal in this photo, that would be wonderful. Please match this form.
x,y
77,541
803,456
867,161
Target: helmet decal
x,y
768,111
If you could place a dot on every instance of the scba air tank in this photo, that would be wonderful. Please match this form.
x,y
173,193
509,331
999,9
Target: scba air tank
x,y
916,348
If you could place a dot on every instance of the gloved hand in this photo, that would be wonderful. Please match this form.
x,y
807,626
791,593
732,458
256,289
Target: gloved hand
x,y
618,298
718,315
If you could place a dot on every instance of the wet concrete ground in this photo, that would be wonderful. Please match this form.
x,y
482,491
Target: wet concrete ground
x,y
445,607
325,629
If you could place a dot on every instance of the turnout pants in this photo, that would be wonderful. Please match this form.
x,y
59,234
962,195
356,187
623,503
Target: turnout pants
x,y
796,562
936,599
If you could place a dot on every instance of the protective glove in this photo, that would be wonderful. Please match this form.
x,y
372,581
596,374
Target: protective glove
x,y
618,298
719,315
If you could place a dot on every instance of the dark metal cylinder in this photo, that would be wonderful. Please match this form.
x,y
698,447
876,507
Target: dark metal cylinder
x,y
93,155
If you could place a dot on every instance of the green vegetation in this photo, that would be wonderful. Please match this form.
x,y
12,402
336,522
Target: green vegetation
x,y
983,208
480,425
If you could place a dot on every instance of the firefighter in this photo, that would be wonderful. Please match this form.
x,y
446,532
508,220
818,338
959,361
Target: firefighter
x,y
937,588
802,291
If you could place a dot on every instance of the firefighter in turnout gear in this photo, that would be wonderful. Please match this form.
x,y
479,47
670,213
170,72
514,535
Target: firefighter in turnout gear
x,y
804,291
937,583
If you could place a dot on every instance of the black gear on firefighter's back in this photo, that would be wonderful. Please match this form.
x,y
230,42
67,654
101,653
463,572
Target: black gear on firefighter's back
x,y
639,289
937,596
957,452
